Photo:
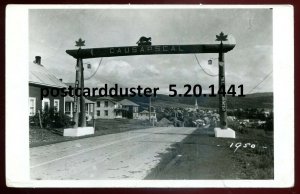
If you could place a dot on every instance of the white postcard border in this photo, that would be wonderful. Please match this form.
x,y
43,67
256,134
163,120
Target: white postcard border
x,y
17,133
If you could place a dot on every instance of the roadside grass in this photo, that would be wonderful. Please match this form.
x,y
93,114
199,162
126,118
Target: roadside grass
x,y
40,137
202,156
257,163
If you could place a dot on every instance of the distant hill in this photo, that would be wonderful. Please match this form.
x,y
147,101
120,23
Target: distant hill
x,y
262,94
255,100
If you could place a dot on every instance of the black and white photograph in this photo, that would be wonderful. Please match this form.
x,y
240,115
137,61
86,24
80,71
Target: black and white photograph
x,y
152,94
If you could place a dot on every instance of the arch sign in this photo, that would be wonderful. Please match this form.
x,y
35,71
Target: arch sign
x,y
145,48
148,50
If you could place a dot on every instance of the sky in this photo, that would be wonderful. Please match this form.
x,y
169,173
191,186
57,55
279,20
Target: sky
x,y
53,31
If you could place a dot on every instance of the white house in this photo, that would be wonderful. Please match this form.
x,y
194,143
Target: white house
x,y
108,108
89,107
144,115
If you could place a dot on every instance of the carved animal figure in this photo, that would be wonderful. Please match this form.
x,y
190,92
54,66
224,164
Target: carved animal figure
x,y
144,41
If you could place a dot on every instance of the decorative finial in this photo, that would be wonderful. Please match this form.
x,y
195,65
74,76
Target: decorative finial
x,y
221,37
80,43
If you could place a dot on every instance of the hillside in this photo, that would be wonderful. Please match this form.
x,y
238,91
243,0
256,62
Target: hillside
x,y
255,100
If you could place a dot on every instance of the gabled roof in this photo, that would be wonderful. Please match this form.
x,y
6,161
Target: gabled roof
x,y
70,84
145,111
89,101
39,75
71,99
126,102
107,98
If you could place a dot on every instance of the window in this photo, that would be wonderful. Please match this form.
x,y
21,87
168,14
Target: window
x,y
135,109
56,105
87,108
98,103
98,113
106,112
91,107
46,104
68,107
31,106
106,104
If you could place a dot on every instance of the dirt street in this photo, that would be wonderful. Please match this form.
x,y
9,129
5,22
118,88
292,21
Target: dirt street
x,y
127,155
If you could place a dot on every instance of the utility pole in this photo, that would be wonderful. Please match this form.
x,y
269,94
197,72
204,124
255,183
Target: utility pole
x,y
76,101
150,109
82,99
222,98
79,83
175,117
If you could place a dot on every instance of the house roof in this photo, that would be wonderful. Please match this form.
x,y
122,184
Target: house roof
x,y
89,101
39,75
126,102
70,84
144,111
107,98
71,99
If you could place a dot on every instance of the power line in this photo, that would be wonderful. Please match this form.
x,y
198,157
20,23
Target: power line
x,y
260,82
203,68
112,81
95,71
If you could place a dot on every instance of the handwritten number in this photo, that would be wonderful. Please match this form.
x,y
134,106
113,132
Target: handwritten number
x,y
237,145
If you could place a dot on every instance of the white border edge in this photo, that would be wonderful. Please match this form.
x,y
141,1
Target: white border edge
x,y
18,176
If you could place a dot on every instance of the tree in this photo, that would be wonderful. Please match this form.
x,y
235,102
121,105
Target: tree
x,y
269,123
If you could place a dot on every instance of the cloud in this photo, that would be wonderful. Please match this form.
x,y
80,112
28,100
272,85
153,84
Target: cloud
x,y
52,32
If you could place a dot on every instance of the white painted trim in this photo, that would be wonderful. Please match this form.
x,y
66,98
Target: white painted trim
x,y
56,100
71,109
92,107
64,105
34,106
45,100
88,108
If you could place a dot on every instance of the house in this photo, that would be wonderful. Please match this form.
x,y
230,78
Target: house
x,y
132,109
89,107
144,115
40,77
69,105
108,108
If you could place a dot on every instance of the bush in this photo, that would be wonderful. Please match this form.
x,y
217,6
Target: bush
x,y
238,127
34,120
51,119
269,125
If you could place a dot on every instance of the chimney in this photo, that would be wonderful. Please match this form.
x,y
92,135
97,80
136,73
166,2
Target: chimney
x,y
38,60
61,80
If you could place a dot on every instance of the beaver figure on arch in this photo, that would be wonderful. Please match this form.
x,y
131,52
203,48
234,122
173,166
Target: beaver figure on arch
x,y
144,41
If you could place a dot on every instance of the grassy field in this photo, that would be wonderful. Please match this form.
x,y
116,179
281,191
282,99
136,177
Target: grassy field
x,y
39,137
202,156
